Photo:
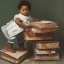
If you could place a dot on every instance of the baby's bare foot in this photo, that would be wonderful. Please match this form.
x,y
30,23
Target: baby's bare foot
x,y
22,49
10,50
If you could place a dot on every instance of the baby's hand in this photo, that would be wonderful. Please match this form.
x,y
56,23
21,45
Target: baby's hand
x,y
32,34
29,32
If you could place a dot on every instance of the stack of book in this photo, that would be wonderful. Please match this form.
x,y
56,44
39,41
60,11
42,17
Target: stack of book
x,y
44,45
46,50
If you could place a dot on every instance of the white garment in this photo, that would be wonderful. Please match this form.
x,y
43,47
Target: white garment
x,y
25,19
13,29
5,32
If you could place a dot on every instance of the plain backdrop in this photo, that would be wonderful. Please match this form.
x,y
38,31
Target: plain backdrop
x,y
52,10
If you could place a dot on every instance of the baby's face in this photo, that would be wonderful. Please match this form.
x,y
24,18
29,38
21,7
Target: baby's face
x,y
24,10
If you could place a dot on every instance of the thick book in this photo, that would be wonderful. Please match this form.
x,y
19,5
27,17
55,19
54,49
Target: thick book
x,y
39,34
36,37
51,57
44,30
47,45
13,57
44,51
44,25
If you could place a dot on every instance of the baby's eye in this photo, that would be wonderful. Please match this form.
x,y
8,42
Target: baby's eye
x,y
22,10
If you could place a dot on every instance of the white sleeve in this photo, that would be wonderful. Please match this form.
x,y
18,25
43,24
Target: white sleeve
x,y
16,16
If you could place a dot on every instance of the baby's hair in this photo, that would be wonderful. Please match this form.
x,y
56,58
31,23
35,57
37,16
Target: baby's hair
x,y
24,3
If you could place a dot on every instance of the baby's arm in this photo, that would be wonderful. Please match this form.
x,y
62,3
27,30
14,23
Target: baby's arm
x,y
19,23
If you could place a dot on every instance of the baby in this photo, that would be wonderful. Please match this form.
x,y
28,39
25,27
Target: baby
x,y
13,30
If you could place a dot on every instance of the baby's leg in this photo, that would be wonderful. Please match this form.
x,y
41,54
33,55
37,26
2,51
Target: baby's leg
x,y
21,47
9,47
20,40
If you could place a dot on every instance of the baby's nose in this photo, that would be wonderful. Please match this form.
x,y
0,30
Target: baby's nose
x,y
25,11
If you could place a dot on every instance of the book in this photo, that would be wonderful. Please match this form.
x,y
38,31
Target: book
x,y
36,38
44,24
51,57
47,45
44,51
39,33
44,30
13,57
